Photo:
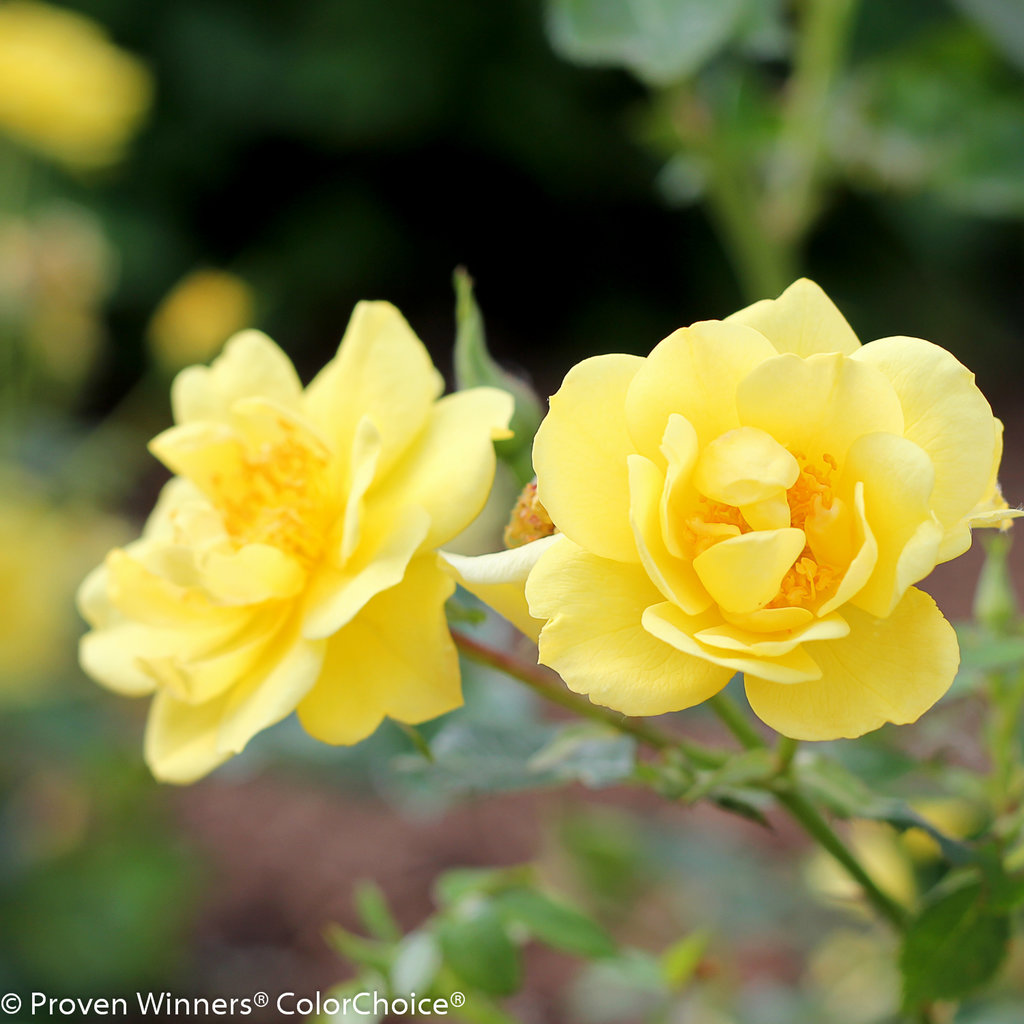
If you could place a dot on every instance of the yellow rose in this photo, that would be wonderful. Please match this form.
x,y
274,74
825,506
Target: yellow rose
x,y
65,89
756,496
290,562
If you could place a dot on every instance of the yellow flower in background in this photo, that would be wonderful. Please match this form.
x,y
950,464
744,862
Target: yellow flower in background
x,y
197,316
758,495
46,549
290,563
65,89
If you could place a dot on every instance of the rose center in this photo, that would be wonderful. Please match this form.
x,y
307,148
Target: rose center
x,y
809,578
277,494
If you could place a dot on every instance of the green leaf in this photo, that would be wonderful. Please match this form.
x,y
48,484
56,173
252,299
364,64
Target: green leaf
x,y
460,883
596,755
481,757
845,795
660,41
555,923
477,948
416,963
476,367
740,770
954,946
362,952
372,908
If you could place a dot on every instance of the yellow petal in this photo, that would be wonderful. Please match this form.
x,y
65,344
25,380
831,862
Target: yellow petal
x,y
680,449
770,620
335,596
863,563
366,446
185,741
450,468
252,574
181,739
674,577
143,595
110,656
499,580
580,456
197,675
693,372
251,365
272,691
802,320
818,405
732,638
382,371
674,627
744,466
595,639
898,479
886,670
944,414
744,573
396,658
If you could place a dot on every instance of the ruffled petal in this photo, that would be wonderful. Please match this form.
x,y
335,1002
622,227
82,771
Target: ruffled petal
x,y
181,739
499,580
818,405
886,670
674,577
898,480
251,365
679,630
335,596
595,640
395,659
382,371
944,414
693,372
450,468
802,320
580,456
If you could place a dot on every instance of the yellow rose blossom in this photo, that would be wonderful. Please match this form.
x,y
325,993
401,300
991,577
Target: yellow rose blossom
x,y
290,563
758,495
65,90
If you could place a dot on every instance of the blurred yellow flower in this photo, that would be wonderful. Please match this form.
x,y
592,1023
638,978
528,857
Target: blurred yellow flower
x,y
954,816
877,846
65,89
46,549
290,563
757,496
197,316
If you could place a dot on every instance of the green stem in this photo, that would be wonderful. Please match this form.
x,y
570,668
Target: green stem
x,y
808,816
735,721
548,685
794,181
819,829
786,751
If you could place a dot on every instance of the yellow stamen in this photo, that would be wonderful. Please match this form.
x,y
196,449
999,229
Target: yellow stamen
x,y
278,496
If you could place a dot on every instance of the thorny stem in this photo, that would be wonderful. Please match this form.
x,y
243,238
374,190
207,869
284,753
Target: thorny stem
x,y
548,685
